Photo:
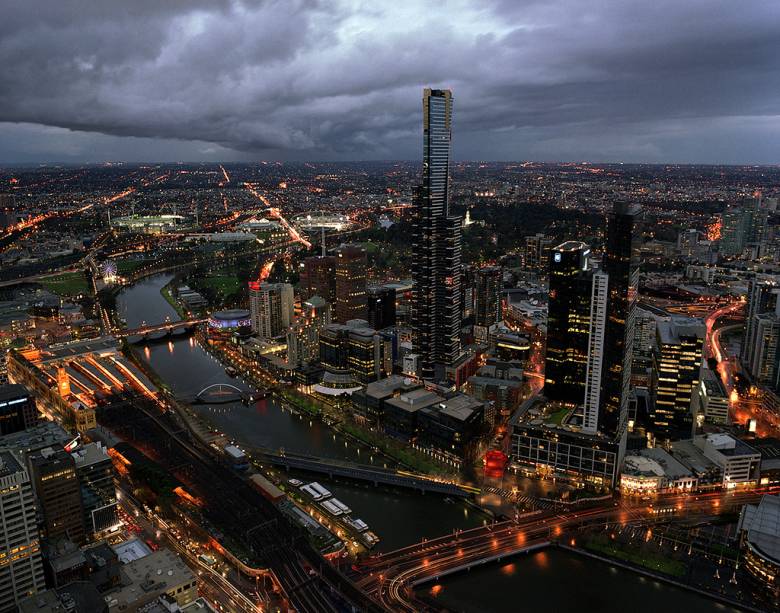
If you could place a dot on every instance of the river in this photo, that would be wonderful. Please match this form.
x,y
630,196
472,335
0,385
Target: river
x,y
554,581
551,580
398,517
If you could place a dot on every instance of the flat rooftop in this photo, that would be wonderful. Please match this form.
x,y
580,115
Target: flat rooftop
x,y
460,407
388,386
415,400
131,550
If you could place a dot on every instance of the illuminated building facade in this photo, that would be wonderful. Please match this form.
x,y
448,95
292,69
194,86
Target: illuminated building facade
x,y
568,323
436,310
760,351
351,264
21,572
304,335
352,355
70,380
271,306
537,252
594,370
678,366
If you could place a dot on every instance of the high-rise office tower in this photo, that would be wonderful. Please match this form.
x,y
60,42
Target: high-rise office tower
x,y
599,298
21,566
381,307
17,409
271,306
743,225
487,296
764,354
58,491
436,312
318,278
95,473
352,355
537,252
568,323
621,263
304,335
761,308
678,364
351,265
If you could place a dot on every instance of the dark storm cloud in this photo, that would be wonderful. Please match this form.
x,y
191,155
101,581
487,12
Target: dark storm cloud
x,y
560,79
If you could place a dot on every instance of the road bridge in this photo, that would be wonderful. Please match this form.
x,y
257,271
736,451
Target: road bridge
x,y
359,472
166,327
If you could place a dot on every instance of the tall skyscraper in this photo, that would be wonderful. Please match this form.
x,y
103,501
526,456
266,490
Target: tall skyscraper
x,y
621,263
743,225
436,312
758,349
318,278
678,364
58,490
21,570
271,306
487,296
599,298
95,473
304,336
351,265
568,323
537,252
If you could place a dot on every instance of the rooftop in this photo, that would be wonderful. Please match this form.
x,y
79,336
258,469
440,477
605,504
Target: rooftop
x,y
388,386
42,434
672,331
460,406
692,457
415,400
157,572
13,391
131,550
762,523
656,461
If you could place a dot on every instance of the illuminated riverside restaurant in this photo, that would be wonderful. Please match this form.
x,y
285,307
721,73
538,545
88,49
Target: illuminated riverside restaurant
x,y
72,379
233,318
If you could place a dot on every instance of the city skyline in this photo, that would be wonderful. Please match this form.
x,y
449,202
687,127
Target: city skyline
x,y
605,82
364,377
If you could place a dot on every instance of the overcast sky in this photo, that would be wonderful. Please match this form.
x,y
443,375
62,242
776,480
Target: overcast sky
x,y
221,80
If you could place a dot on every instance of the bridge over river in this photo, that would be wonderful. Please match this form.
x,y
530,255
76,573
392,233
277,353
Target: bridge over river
x,y
359,472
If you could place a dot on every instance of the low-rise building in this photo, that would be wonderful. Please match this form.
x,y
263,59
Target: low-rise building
x,y
500,383
544,444
655,471
708,474
146,579
369,402
711,400
738,461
